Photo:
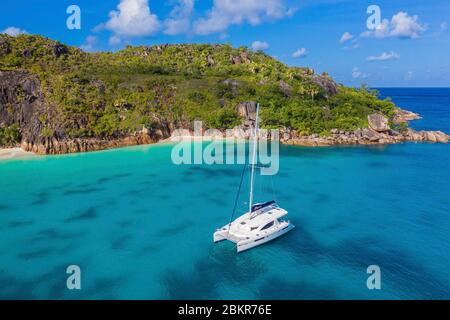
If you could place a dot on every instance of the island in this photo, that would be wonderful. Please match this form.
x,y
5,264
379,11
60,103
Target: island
x,y
57,99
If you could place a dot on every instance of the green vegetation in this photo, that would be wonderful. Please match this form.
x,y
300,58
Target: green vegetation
x,y
9,136
111,94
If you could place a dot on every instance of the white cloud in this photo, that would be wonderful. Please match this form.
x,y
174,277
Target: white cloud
x,y
346,37
409,76
352,44
133,18
357,74
260,45
401,25
300,53
13,31
114,40
349,40
225,13
180,18
385,56
444,26
98,28
355,45
89,44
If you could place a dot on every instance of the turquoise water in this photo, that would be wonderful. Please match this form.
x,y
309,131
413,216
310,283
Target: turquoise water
x,y
141,228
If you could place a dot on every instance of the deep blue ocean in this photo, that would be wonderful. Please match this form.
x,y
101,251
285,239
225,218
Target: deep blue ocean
x,y
141,227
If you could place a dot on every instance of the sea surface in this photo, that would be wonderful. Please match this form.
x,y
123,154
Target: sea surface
x,y
140,227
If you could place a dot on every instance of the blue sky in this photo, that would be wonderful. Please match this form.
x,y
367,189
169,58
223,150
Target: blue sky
x,y
409,48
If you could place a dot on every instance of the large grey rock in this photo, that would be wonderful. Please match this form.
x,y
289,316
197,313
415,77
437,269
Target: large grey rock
x,y
59,49
370,134
378,123
245,57
235,60
210,61
327,84
358,133
247,110
435,136
441,137
431,136
239,132
285,88
22,102
405,115
286,133
413,135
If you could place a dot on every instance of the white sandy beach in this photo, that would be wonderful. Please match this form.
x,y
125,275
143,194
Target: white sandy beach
x,y
14,153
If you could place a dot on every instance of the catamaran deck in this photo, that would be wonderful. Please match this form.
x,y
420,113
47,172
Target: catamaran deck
x,y
245,227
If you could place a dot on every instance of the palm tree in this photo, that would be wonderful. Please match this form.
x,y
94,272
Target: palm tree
x,y
312,90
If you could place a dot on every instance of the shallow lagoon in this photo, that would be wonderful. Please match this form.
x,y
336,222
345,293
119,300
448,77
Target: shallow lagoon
x,y
141,228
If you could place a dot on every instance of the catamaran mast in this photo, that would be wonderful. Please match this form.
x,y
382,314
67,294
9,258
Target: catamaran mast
x,y
255,143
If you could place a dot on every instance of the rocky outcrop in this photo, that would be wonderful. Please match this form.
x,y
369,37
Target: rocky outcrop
x,y
247,110
363,137
402,116
377,133
378,123
430,136
327,84
210,61
59,49
22,102
56,146
244,57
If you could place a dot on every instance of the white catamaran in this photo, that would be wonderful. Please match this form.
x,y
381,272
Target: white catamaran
x,y
261,224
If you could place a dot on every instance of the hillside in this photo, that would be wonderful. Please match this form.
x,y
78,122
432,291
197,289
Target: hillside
x,y
56,98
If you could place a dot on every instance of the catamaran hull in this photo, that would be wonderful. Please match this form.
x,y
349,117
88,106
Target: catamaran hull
x,y
249,244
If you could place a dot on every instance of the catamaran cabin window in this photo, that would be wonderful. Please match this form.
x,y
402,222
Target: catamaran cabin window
x,y
267,226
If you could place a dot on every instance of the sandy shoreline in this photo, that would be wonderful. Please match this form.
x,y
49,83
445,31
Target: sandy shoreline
x,y
15,153
347,138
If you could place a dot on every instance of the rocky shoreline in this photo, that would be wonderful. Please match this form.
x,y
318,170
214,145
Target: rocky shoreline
x,y
377,133
54,146
365,137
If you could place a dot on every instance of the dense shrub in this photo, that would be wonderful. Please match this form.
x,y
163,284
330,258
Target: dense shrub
x,y
9,136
